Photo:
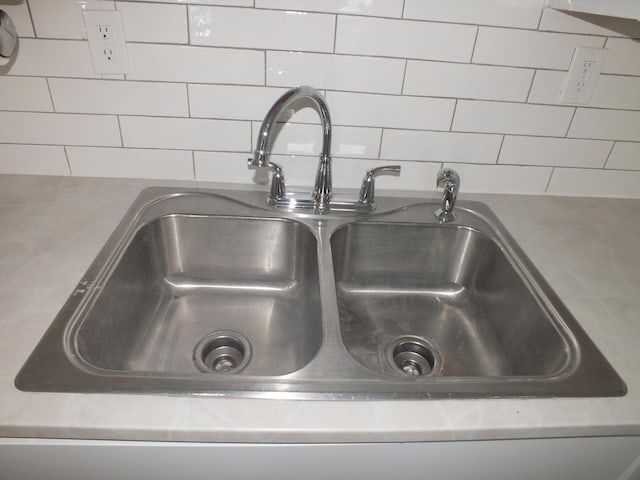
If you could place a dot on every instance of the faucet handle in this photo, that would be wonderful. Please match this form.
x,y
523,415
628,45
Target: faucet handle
x,y
278,189
367,190
449,180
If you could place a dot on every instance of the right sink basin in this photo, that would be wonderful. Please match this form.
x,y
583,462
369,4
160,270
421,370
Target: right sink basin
x,y
458,305
439,300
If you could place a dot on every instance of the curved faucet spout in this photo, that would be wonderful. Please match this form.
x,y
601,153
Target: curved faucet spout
x,y
297,97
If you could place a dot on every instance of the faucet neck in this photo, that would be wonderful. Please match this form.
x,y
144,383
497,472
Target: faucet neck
x,y
295,97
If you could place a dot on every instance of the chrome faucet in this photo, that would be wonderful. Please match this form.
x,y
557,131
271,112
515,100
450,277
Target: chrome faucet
x,y
322,198
450,181
322,189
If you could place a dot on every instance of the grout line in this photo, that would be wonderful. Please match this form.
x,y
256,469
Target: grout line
x,y
120,131
404,5
540,20
335,34
33,24
453,115
533,80
606,162
187,7
379,157
546,188
473,49
404,76
265,72
53,105
66,155
186,86
500,150
193,164
573,115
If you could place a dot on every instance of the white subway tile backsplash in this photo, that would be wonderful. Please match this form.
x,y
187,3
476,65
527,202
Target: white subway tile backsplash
x,y
598,183
525,48
514,118
53,58
557,152
390,111
21,19
623,56
119,97
612,91
299,172
33,160
250,28
379,8
625,156
63,18
421,83
521,14
25,94
440,146
547,87
335,72
405,39
299,139
169,23
356,142
130,163
225,167
185,133
503,178
232,101
439,79
583,23
181,63
606,124
59,129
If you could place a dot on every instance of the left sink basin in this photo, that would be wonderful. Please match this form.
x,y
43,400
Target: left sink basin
x,y
187,295
207,293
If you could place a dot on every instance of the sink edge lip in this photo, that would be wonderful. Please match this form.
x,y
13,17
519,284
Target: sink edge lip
x,y
126,229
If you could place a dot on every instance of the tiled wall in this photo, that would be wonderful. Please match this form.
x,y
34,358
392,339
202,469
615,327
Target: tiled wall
x,y
420,83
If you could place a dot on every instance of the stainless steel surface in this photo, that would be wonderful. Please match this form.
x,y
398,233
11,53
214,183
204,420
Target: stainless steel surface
x,y
450,181
214,293
322,199
451,285
296,97
368,188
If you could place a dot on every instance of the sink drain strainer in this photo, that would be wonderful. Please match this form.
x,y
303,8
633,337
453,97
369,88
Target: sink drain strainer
x,y
222,352
413,356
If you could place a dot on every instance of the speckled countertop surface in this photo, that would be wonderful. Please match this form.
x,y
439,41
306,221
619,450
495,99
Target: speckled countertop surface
x,y
51,228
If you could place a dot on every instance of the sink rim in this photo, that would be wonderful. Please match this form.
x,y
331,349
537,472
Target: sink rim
x,y
307,383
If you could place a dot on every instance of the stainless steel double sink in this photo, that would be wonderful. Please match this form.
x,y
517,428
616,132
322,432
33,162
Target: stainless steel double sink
x,y
214,293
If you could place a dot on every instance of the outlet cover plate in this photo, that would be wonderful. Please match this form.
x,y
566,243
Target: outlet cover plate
x,y
583,75
106,41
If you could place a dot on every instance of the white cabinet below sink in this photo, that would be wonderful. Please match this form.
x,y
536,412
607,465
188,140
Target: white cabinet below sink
x,y
595,458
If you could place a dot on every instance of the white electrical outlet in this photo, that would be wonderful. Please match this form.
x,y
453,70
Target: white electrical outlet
x,y
106,41
583,75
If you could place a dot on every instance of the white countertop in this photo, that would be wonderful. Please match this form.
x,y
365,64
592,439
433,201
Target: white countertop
x,y
51,228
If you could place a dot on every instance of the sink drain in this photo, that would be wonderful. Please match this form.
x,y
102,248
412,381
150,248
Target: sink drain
x,y
222,352
412,356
